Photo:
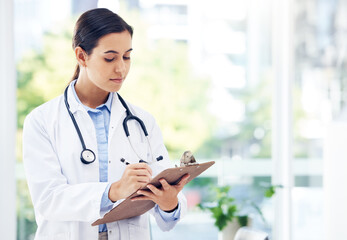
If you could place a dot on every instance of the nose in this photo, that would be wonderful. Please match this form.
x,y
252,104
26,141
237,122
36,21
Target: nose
x,y
120,66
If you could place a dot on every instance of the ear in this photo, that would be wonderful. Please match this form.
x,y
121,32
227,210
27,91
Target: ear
x,y
81,56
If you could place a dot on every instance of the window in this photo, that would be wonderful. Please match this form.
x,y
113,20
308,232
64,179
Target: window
x,y
213,63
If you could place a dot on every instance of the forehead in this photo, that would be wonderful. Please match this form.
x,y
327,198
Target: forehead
x,y
120,42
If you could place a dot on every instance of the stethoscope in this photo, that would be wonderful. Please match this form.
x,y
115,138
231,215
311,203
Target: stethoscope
x,y
87,155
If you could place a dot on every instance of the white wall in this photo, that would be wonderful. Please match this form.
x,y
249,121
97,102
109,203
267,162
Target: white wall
x,y
7,123
335,180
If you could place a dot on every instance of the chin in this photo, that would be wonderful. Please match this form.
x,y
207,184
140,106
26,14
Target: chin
x,y
114,86
114,89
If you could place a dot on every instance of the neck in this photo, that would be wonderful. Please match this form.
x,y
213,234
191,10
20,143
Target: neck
x,y
89,94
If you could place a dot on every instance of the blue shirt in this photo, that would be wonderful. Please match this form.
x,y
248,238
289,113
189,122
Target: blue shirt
x,y
101,120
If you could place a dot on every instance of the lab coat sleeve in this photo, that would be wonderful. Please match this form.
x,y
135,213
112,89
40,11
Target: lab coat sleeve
x,y
159,147
53,197
168,225
169,216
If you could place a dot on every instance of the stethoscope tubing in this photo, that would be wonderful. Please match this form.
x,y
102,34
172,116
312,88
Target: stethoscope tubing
x,y
129,116
74,120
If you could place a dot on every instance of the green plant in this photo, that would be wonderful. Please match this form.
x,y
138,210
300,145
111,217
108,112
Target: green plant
x,y
225,208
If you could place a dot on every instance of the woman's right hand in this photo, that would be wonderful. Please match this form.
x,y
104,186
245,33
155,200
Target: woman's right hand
x,y
134,177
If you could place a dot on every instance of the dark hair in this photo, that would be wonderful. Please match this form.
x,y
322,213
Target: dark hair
x,y
94,24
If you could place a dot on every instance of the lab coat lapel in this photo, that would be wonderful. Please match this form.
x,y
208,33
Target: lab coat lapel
x,y
86,126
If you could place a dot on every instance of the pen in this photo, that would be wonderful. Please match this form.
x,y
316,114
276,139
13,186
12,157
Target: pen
x,y
123,161
126,163
142,161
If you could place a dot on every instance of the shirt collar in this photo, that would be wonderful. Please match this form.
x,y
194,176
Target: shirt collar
x,y
107,104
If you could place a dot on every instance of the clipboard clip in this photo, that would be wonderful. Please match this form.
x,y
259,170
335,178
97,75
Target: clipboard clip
x,y
187,159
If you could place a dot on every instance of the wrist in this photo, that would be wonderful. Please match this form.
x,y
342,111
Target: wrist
x,y
113,192
172,210
173,207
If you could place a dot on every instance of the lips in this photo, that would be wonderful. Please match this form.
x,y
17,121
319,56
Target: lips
x,y
118,80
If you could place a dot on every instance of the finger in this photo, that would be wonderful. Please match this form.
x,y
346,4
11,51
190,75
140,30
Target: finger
x,y
143,179
146,193
165,184
154,190
183,181
141,172
135,176
136,170
141,198
138,165
141,166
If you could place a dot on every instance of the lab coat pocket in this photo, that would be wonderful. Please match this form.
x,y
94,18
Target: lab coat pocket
x,y
139,227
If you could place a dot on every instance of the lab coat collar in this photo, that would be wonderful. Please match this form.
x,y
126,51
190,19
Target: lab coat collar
x,y
73,103
117,108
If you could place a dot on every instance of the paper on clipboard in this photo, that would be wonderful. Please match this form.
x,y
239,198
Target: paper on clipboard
x,y
128,209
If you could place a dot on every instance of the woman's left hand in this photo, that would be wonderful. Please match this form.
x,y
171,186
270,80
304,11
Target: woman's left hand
x,y
166,196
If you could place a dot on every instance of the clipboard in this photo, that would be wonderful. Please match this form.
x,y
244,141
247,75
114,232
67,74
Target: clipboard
x,y
128,209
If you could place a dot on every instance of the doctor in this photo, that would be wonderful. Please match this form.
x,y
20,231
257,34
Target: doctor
x,y
76,152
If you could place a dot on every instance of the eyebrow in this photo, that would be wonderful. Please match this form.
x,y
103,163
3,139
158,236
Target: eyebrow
x,y
112,51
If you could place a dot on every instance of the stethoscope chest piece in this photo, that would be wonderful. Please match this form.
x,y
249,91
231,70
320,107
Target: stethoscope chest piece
x,y
87,156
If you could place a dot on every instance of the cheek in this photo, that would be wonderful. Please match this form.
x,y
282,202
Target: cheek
x,y
102,69
127,67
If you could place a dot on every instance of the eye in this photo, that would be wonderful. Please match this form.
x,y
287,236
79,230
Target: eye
x,y
126,58
109,59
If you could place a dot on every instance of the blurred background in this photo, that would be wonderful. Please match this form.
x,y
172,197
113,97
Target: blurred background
x,y
257,86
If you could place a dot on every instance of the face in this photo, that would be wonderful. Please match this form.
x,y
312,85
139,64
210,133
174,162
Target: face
x,y
109,63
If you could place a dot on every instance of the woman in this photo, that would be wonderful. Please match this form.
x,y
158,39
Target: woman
x,y
76,152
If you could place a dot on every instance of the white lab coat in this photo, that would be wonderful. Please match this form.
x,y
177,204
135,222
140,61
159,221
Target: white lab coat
x,y
66,193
